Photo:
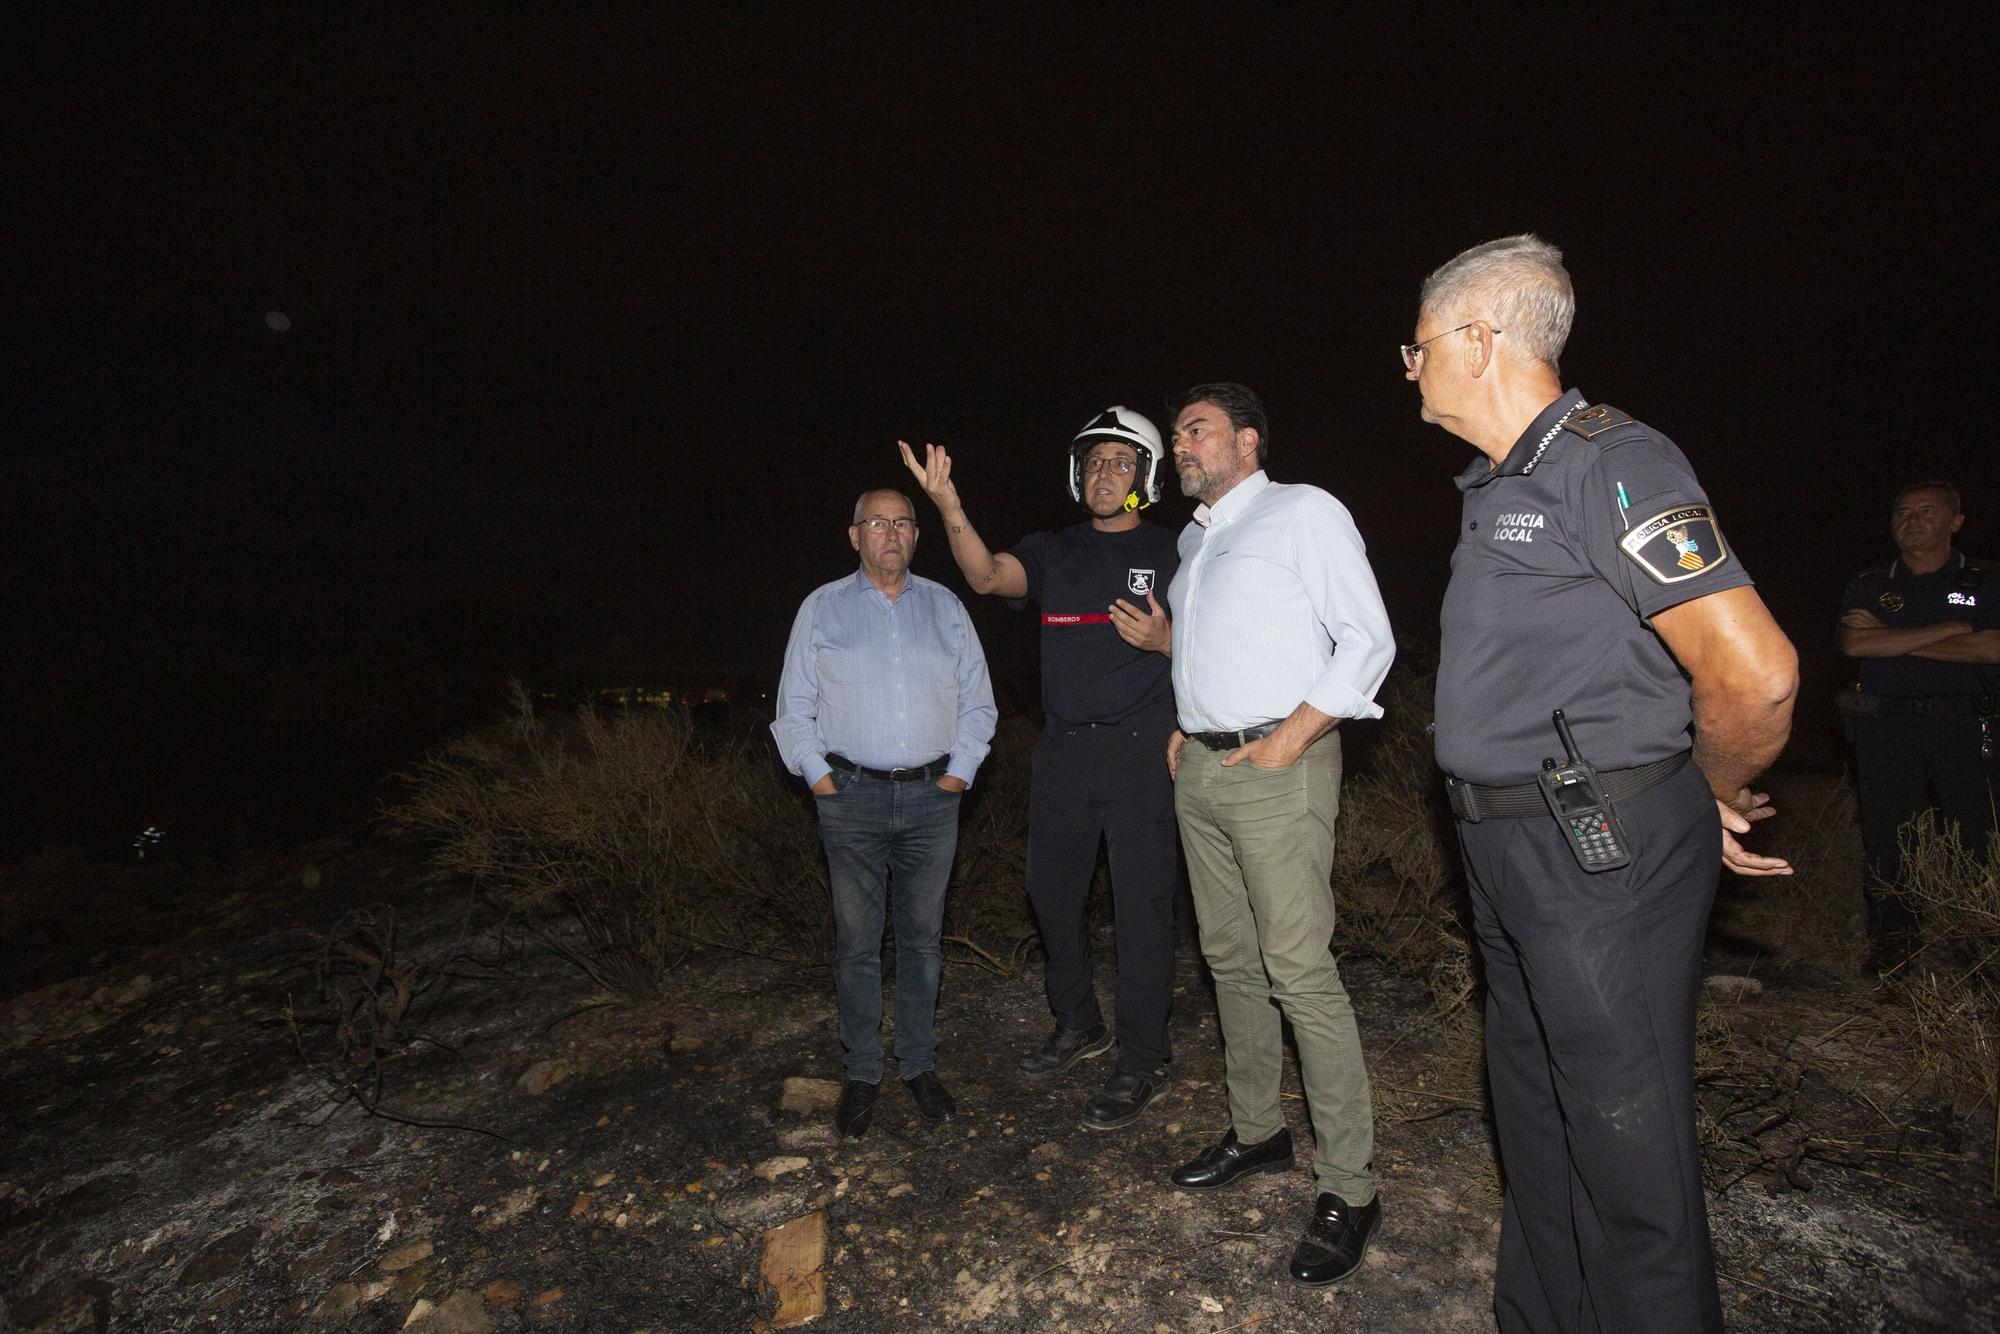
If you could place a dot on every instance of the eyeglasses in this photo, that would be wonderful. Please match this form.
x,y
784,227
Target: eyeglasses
x,y
1413,353
875,523
1118,466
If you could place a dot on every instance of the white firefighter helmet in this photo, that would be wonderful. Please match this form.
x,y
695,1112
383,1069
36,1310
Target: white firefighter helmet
x,y
1127,428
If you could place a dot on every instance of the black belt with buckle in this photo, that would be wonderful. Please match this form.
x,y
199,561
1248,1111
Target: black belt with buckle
x,y
1930,706
1231,740
935,769
1472,803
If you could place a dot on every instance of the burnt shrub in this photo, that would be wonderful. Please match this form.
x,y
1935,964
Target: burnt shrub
x,y
618,839
1394,872
1951,984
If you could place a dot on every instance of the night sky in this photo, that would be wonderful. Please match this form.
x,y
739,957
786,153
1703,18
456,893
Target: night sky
x,y
596,327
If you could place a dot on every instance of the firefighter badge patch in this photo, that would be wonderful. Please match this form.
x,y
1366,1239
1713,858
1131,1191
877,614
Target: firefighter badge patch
x,y
1677,544
1140,582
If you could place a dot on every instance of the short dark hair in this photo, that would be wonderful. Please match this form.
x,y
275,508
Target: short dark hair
x,y
1241,404
1950,493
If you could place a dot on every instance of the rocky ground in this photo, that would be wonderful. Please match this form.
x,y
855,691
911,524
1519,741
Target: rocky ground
x,y
173,1160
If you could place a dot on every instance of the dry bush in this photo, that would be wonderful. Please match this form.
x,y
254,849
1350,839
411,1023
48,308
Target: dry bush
x,y
583,821
1951,986
987,914
1813,916
620,838
1393,871
372,995
751,857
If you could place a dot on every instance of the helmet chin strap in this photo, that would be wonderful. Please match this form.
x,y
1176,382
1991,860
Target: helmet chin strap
x,y
1132,500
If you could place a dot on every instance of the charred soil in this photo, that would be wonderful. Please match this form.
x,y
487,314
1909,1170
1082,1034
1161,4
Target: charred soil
x,y
176,1155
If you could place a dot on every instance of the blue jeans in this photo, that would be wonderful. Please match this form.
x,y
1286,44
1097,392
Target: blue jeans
x,y
874,831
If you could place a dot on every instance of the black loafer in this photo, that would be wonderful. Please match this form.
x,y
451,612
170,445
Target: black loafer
x,y
1123,1097
1335,1240
855,1108
1065,1047
1232,1160
933,1102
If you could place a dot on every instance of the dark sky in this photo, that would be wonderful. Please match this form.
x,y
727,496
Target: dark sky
x,y
596,327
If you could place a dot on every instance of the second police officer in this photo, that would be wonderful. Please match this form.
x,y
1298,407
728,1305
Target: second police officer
x,y
1108,700
1925,629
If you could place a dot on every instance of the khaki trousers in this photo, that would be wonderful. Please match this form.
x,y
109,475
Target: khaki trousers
x,y
1259,845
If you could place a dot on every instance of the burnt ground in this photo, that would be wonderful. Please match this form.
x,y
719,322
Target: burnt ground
x,y
172,1161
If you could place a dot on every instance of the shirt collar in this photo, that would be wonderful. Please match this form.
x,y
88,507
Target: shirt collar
x,y
1954,562
1527,451
863,584
1234,502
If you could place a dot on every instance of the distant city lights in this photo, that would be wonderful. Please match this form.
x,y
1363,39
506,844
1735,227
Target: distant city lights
x,y
149,838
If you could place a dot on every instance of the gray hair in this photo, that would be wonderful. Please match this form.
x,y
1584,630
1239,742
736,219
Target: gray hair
x,y
861,502
1519,283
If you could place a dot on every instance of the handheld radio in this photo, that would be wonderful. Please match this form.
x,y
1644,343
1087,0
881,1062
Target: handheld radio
x,y
1576,798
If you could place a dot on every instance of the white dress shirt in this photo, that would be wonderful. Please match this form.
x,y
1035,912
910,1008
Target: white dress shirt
x,y
1275,604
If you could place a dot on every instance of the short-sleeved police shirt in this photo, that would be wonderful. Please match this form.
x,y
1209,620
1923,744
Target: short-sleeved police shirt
x,y
1089,674
1564,550
1962,589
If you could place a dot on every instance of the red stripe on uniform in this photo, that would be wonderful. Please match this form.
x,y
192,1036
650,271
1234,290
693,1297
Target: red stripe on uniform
x,y
1076,618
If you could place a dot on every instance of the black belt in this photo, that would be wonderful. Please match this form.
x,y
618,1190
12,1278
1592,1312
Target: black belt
x,y
935,769
1473,803
1929,706
1231,740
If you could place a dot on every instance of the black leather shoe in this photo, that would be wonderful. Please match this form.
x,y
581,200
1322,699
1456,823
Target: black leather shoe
x,y
1232,1160
855,1109
1123,1097
933,1103
1065,1047
1335,1240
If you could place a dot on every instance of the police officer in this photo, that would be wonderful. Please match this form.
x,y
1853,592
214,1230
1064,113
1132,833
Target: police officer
x,y
1109,704
1590,572
1926,631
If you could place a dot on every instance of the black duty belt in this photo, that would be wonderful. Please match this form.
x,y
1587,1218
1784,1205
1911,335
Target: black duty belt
x,y
1231,740
1927,706
935,769
1473,803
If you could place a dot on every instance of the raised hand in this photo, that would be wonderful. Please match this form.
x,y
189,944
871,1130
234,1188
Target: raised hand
x,y
933,475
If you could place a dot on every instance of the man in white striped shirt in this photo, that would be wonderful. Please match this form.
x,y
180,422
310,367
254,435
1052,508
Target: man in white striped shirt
x,y
1279,633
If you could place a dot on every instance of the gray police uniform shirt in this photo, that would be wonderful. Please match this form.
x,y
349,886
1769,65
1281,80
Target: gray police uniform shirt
x,y
1592,524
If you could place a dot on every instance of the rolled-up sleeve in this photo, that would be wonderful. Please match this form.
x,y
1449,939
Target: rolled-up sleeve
x,y
796,728
1333,566
977,715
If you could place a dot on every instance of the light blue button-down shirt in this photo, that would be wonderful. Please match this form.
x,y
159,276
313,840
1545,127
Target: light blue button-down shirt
x,y
887,684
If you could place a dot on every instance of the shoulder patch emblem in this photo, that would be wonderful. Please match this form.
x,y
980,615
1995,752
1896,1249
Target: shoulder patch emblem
x,y
1594,421
1676,545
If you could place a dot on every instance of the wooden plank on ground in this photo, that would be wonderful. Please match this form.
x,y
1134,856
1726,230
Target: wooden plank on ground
x,y
793,1265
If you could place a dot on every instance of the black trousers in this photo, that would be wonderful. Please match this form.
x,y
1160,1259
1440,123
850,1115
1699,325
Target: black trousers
x,y
1898,762
1591,986
1107,781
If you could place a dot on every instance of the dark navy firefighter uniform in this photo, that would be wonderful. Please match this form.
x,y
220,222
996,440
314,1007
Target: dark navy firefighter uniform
x,y
1920,724
1592,524
1100,771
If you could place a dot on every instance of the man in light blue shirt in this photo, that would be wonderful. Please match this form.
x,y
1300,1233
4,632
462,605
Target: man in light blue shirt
x,y
885,709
